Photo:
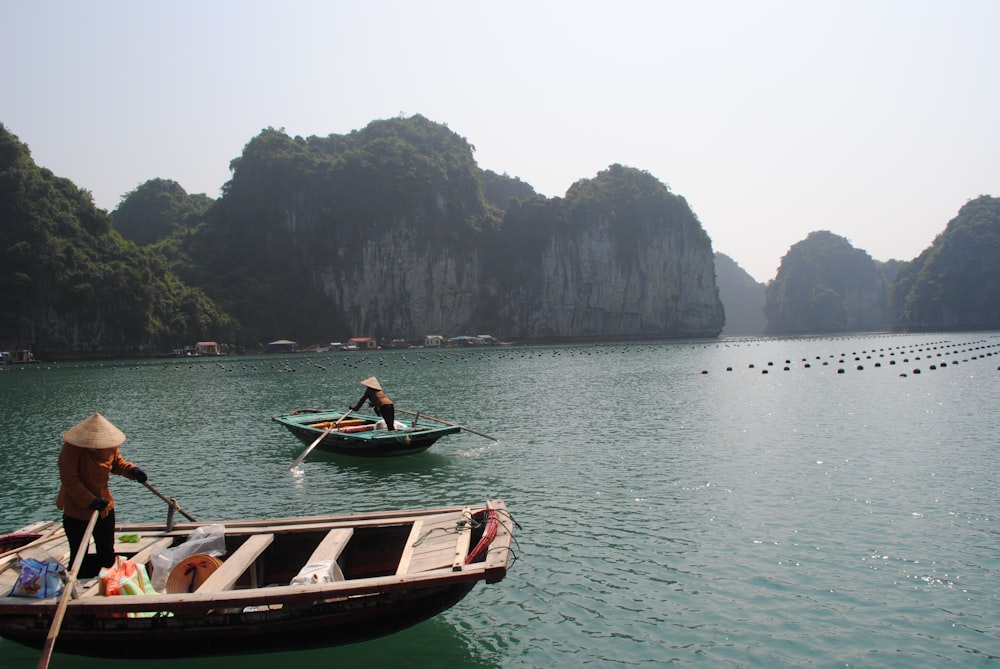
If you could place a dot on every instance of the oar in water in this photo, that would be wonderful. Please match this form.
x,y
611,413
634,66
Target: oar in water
x,y
170,501
467,429
298,460
57,618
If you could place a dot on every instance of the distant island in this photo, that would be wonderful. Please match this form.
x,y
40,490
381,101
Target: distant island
x,y
393,233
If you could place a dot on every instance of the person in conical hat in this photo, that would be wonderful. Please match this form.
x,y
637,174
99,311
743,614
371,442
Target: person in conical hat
x,y
88,458
382,405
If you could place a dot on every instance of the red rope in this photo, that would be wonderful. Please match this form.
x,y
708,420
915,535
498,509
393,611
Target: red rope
x,y
489,534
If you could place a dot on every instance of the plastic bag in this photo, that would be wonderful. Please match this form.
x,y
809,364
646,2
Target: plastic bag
x,y
380,425
38,579
315,572
209,539
125,577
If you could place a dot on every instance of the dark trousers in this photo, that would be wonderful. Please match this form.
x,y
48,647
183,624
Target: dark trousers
x,y
388,414
104,543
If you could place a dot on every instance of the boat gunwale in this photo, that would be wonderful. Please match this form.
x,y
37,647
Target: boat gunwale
x,y
329,520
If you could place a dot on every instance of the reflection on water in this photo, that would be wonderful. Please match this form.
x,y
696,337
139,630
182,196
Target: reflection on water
x,y
743,502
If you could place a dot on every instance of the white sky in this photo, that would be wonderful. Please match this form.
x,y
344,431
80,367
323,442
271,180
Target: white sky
x,y
874,119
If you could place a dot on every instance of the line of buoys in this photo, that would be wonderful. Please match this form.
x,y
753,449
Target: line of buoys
x,y
908,353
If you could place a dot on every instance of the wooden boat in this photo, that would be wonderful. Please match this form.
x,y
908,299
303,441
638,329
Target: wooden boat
x,y
359,435
388,571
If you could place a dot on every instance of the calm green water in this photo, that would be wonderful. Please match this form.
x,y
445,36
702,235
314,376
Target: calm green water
x,y
730,518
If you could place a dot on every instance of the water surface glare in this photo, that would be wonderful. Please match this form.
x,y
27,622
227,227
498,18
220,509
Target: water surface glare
x,y
826,501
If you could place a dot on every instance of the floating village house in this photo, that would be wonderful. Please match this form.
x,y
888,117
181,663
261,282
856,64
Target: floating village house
x,y
282,346
207,348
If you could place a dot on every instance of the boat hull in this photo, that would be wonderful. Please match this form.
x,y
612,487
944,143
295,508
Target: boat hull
x,y
369,444
238,633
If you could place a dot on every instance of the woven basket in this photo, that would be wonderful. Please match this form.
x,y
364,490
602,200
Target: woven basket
x,y
191,572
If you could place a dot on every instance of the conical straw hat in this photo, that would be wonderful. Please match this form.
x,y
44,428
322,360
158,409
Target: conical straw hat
x,y
95,432
371,382
188,574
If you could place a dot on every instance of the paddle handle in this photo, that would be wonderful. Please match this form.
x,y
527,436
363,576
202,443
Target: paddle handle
x,y
298,460
50,639
445,422
170,501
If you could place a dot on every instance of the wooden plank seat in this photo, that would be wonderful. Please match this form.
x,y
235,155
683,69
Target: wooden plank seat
x,y
330,548
225,577
436,542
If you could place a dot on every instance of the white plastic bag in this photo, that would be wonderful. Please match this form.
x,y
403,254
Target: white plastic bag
x,y
209,539
315,572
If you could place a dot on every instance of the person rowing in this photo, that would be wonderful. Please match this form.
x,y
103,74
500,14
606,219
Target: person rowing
x,y
379,401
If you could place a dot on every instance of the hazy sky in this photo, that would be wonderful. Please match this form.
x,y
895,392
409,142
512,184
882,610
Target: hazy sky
x,y
874,119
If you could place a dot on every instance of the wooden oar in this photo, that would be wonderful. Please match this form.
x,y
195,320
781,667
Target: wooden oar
x,y
57,618
170,501
467,429
298,460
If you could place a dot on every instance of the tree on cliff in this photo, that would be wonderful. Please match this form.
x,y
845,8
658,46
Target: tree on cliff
x,y
289,248
70,285
826,285
620,255
500,189
955,283
156,209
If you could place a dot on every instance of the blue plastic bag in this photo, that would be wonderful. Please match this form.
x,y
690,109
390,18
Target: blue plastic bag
x,y
38,579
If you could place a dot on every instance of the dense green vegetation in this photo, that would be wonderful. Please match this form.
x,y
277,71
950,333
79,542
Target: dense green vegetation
x,y
826,285
71,285
294,205
743,297
500,189
157,209
268,258
954,284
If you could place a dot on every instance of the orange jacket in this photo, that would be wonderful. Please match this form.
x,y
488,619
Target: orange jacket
x,y
84,475
376,398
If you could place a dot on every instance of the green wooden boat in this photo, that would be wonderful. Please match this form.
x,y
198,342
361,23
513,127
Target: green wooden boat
x,y
364,436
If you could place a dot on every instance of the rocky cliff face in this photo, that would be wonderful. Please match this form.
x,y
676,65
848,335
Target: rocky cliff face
x,y
595,275
388,231
620,256
398,286
666,288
